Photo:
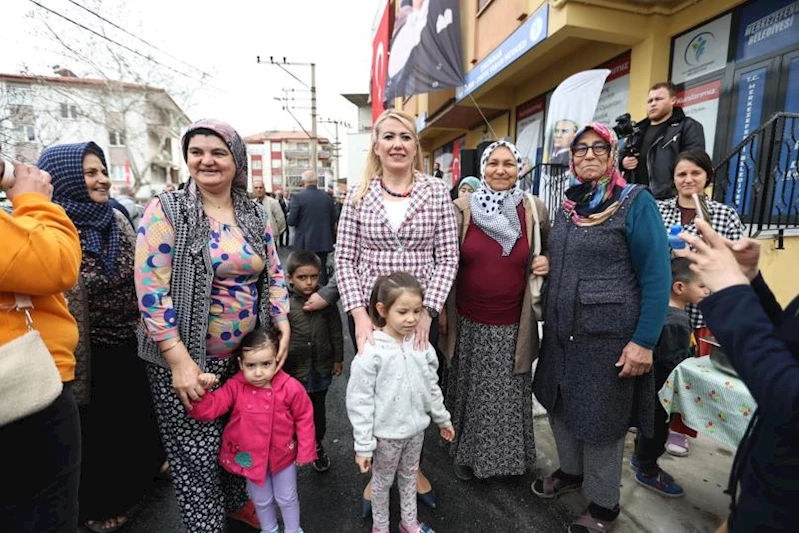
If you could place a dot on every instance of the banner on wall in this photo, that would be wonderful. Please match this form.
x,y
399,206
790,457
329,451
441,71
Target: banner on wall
x,y
425,48
702,104
573,104
380,62
523,39
616,91
748,113
530,131
455,170
701,51
766,27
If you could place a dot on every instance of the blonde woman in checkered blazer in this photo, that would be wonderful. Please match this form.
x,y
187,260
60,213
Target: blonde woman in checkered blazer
x,y
398,219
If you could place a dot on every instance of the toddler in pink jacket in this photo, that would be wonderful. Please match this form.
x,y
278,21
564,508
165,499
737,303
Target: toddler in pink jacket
x,y
270,431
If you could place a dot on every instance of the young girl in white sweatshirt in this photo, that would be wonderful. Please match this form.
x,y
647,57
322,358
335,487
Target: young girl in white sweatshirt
x,y
391,395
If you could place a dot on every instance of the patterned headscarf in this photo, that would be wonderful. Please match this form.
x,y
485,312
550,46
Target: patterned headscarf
x,y
494,212
99,233
587,198
244,209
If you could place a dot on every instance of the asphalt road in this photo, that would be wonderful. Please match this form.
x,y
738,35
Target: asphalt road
x,y
331,501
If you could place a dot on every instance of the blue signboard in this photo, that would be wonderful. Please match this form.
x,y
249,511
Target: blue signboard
x,y
526,36
767,26
748,112
786,174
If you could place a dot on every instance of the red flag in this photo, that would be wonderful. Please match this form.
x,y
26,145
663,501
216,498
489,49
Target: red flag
x,y
380,62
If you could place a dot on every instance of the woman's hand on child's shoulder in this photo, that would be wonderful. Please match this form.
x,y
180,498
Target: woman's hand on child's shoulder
x,y
364,463
207,380
338,368
447,433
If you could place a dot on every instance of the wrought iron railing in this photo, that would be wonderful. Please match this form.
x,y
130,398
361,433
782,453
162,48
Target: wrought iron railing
x,y
548,182
760,177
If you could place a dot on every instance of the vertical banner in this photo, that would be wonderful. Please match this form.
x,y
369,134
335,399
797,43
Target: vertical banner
x,y
748,112
786,192
702,104
425,48
573,104
616,91
380,62
456,159
530,132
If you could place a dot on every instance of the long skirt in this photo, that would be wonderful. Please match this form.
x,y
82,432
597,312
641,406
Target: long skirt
x,y
491,407
121,446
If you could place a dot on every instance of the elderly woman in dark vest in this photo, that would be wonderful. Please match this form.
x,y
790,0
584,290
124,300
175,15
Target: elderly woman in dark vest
x,y
110,383
492,335
606,303
207,273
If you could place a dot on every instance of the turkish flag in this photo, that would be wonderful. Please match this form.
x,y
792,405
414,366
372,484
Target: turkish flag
x,y
380,62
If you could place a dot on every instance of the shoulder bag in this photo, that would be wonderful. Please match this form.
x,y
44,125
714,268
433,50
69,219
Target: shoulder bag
x,y
536,282
29,379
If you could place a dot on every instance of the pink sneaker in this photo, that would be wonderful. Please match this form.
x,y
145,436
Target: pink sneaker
x,y
419,527
677,444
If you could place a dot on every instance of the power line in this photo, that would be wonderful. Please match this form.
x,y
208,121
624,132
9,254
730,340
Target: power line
x,y
148,58
137,37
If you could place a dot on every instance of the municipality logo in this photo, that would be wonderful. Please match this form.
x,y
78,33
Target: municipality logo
x,y
697,48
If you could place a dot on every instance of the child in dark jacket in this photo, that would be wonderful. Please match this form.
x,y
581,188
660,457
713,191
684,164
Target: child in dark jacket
x,y
672,348
269,432
316,350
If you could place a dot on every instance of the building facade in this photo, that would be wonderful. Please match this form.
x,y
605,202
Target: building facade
x,y
138,127
278,158
734,62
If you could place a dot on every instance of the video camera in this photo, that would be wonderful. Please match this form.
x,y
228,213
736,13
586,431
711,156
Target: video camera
x,y
628,130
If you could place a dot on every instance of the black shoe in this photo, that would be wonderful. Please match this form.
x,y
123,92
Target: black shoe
x,y
322,463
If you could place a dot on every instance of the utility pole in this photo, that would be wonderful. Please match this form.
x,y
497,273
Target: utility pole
x,y
313,139
336,145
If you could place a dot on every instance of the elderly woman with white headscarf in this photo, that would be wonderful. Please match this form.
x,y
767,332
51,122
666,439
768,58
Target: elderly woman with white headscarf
x,y
492,336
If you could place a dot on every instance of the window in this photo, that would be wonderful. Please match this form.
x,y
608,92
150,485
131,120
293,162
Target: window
x,y
275,147
116,138
256,164
28,134
303,162
69,111
303,147
157,174
167,147
277,163
117,172
19,93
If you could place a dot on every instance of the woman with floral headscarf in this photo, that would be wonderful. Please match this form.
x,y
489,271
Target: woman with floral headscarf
x,y
207,273
605,306
110,384
493,335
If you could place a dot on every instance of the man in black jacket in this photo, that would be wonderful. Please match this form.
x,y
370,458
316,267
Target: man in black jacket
x,y
664,133
313,216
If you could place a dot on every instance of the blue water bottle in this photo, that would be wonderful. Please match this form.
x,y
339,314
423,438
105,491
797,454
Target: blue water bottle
x,y
674,240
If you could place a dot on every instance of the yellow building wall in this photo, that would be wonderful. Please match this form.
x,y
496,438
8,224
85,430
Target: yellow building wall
x,y
780,267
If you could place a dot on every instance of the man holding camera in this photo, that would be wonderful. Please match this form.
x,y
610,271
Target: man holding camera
x,y
664,133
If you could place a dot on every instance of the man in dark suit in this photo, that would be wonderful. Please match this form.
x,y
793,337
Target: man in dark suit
x,y
313,216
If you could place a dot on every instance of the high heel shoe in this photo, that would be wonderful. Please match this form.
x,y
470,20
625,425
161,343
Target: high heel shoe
x,y
428,498
366,508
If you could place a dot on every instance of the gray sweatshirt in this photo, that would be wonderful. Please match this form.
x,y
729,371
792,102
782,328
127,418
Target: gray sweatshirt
x,y
391,390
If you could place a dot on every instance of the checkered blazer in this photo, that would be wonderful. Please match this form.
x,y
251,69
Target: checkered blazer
x,y
723,219
426,244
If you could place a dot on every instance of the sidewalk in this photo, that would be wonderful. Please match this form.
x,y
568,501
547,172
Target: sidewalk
x,y
703,475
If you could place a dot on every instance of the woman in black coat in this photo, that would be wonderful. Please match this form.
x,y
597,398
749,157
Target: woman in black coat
x,y
762,342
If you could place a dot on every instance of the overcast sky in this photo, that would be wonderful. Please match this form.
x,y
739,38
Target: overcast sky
x,y
223,38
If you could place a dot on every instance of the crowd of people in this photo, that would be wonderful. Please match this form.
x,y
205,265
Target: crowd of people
x,y
184,323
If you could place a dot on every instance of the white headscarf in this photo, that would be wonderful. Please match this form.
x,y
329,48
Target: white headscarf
x,y
494,212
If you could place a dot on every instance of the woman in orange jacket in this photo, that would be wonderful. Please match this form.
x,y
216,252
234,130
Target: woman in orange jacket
x,y
41,257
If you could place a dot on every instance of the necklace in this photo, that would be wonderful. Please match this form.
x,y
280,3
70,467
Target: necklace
x,y
396,194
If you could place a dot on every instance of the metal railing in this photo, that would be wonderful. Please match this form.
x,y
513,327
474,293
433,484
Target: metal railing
x,y
760,176
548,181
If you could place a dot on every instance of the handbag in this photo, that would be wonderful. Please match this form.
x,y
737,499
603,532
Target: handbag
x,y
29,379
536,282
